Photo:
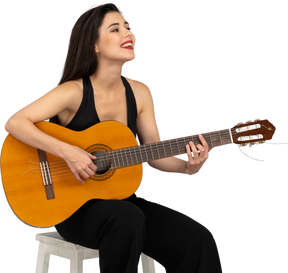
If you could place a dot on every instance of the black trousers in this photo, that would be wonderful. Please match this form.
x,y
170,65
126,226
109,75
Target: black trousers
x,y
122,229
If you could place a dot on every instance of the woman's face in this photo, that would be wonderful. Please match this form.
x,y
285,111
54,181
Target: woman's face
x,y
116,42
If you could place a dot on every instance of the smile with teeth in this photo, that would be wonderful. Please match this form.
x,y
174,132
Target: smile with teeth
x,y
127,44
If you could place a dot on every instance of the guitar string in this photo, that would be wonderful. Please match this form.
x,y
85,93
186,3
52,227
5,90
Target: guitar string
x,y
209,136
124,153
175,142
133,152
136,152
64,171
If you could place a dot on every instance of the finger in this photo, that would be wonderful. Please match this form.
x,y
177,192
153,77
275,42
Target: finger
x,y
204,142
194,150
91,170
200,148
193,160
79,178
91,156
189,153
92,167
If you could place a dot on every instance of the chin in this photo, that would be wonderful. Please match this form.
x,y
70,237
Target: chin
x,y
130,61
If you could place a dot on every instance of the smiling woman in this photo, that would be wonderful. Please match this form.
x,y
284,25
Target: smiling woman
x,y
93,90
81,59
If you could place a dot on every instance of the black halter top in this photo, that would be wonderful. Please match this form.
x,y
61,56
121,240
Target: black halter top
x,y
86,115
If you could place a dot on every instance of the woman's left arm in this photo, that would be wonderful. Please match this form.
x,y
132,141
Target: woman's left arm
x,y
148,133
197,155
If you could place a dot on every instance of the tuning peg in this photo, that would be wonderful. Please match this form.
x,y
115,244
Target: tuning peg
x,y
245,120
236,122
260,144
251,119
250,146
249,122
256,120
243,144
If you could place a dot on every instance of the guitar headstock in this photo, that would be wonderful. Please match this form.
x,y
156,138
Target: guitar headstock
x,y
254,132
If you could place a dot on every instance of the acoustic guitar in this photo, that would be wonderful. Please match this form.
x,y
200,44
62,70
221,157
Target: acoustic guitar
x,y
43,192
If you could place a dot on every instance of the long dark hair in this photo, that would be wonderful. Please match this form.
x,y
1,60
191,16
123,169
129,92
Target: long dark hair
x,y
81,60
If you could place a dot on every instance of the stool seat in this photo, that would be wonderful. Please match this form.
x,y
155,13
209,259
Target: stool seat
x,y
53,243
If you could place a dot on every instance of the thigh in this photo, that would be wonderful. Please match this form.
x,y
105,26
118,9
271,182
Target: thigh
x,y
88,225
171,236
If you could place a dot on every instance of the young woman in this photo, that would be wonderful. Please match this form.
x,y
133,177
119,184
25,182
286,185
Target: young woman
x,y
92,90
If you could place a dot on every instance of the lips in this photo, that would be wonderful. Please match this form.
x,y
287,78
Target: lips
x,y
126,43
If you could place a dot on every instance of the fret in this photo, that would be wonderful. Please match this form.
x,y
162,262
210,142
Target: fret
x,y
140,152
135,155
171,147
211,140
112,157
122,157
147,159
157,151
177,145
126,156
151,151
164,149
193,140
184,139
131,156
220,137
112,160
118,159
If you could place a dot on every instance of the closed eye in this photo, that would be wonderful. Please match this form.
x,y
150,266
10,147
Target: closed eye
x,y
117,29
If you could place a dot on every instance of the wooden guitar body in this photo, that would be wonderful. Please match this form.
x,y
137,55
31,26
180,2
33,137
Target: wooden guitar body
x,y
23,183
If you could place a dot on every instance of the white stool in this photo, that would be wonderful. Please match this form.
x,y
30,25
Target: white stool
x,y
53,243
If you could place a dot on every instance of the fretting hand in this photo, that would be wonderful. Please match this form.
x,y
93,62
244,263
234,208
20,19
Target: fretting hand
x,y
200,155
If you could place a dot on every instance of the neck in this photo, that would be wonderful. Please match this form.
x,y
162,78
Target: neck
x,y
138,154
107,77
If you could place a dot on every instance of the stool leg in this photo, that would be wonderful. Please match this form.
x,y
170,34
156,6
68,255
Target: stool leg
x,y
147,264
42,260
76,262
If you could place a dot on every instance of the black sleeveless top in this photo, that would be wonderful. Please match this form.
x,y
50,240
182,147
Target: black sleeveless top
x,y
86,115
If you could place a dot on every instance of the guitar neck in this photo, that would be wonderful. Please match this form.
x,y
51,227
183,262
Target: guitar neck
x,y
157,150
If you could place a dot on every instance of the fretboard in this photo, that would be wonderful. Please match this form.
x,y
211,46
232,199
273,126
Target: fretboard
x,y
143,153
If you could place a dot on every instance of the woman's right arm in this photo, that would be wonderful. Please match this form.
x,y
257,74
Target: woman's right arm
x,y
61,100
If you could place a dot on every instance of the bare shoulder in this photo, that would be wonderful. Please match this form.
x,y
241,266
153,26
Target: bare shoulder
x,y
68,94
70,89
63,99
142,94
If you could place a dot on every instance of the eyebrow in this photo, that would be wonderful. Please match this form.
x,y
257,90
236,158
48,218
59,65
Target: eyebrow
x,y
117,24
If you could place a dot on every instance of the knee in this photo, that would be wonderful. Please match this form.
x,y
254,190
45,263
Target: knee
x,y
128,218
205,238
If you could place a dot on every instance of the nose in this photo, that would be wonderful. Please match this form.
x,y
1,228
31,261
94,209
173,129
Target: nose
x,y
128,33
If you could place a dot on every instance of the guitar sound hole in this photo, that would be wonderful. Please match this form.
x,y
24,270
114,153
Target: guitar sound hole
x,y
102,161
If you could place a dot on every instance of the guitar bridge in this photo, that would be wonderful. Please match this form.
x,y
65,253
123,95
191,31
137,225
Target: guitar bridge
x,y
46,176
